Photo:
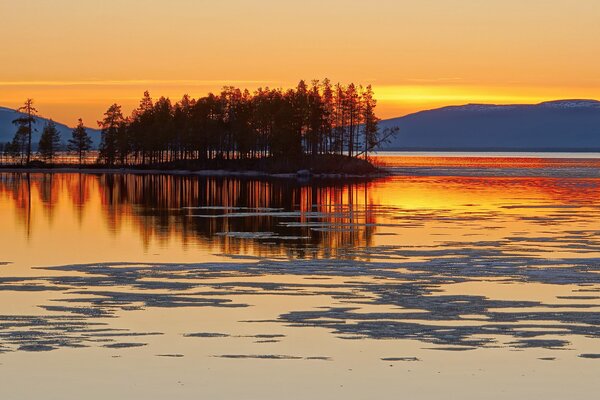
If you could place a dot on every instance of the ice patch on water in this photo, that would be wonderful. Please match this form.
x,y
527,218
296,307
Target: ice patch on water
x,y
207,335
590,356
260,236
270,357
124,345
377,292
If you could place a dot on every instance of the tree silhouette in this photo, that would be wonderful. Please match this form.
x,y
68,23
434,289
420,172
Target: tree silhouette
x,y
370,121
18,147
49,143
112,128
24,124
80,142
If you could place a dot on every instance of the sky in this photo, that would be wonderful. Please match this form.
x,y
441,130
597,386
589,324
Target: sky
x,y
76,57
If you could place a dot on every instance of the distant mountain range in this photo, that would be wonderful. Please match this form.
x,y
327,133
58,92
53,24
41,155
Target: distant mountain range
x,y
564,125
8,129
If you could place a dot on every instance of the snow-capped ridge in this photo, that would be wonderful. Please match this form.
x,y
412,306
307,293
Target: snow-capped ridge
x,y
574,103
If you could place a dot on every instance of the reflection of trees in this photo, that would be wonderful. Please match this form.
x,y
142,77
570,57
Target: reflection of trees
x,y
161,207
17,188
165,206
78,189
48,193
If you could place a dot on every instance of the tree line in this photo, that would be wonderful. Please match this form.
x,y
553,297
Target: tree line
x,y
50,143
310,119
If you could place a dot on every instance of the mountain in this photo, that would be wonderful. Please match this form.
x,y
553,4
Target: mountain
x,y
8,129
563,125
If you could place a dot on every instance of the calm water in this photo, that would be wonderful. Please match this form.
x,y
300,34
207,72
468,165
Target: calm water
x,y
457,277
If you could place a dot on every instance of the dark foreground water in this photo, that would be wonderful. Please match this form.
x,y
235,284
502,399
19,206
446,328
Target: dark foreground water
x,y
450,279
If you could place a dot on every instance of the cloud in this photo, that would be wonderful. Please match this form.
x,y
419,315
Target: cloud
x,y
132,82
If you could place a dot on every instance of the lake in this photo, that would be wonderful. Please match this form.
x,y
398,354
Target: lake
x,y
462,276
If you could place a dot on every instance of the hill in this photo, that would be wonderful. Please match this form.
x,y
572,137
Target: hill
x,y
564,125
8,129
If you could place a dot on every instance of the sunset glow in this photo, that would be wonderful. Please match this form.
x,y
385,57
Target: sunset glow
x,y
76,58
284,199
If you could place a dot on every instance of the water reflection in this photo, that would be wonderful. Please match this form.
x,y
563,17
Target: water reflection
x,y
477,277
409,257
280,217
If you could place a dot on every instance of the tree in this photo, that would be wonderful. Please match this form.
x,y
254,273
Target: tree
x,y
139,127
162,129
113,119
329,115
316,119
49,141
352,110
181,125
80,142
299,120
18,147
370,121
25,122
340,118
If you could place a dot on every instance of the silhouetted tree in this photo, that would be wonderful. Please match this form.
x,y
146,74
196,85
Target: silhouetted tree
x,y
139,128
328,121
18,147
80,142
24,123
352,110
370,121
49,143
162,131
111,126
340,120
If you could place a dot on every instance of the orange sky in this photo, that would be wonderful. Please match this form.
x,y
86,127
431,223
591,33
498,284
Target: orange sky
x,y
77,57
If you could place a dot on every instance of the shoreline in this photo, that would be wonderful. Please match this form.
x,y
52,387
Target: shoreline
x,y
210,173
305,168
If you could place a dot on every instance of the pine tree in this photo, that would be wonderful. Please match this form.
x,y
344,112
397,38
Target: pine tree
x,y
370,121
139,127
18,147
80,142
299,121
316,118
162,129
49,143
352,109
24,123
340,118
113,119
329,115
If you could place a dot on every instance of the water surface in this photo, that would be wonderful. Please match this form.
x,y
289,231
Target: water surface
x,y
437,282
